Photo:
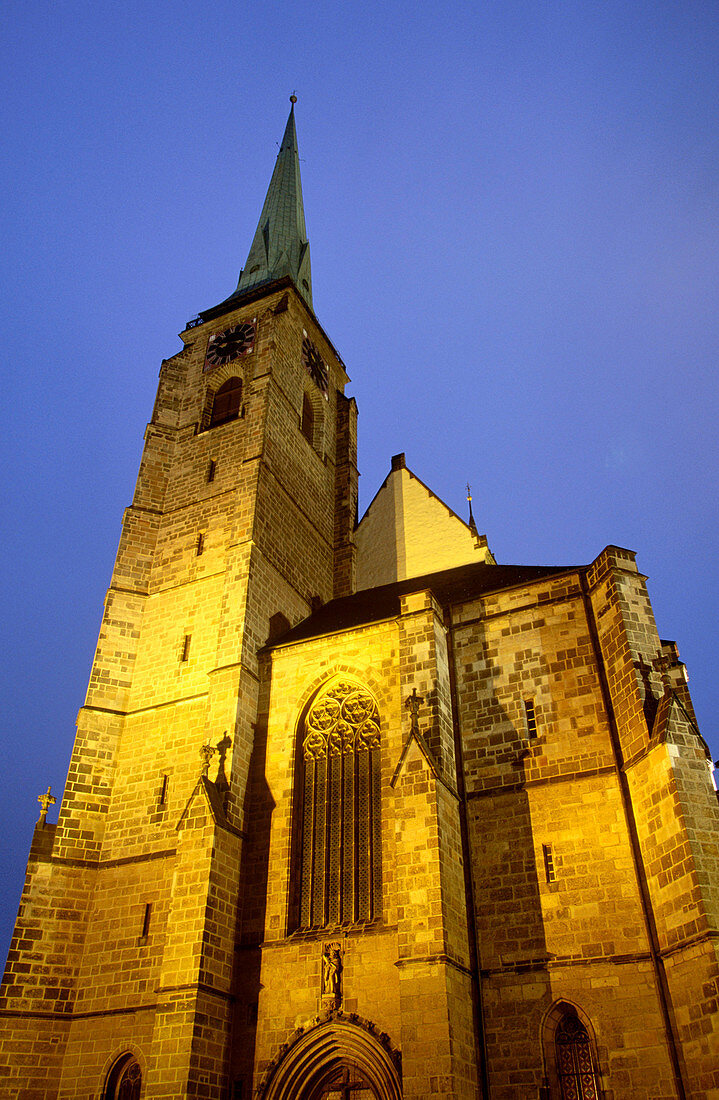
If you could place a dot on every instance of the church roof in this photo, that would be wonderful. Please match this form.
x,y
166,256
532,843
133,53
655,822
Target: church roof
x,y
450,586
280,246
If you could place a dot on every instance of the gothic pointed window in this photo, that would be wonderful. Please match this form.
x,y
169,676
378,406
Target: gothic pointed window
x,y
124,1081
227,401
338,805
575,1066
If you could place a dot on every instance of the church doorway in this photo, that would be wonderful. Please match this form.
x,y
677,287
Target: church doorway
x,y
337,1059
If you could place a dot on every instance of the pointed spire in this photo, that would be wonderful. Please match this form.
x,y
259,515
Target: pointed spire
x,y
280,246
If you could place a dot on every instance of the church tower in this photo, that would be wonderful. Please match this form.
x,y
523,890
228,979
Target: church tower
x,y
241,522
355,812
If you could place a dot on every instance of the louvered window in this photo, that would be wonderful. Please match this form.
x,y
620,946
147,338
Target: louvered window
x,y
226,405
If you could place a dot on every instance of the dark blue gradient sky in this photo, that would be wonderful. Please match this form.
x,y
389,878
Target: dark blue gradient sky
x,y
513,209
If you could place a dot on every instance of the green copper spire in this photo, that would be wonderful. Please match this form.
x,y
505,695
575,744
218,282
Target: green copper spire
x,y
280,246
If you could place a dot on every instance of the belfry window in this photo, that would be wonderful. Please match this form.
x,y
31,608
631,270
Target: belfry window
x,y
338,835
227,402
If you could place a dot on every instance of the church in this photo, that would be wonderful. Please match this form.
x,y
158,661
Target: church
x,y
354,811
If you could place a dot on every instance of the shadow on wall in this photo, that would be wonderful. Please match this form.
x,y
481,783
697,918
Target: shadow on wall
x,y
532,1038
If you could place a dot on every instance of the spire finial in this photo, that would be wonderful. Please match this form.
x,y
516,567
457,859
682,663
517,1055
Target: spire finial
x,y
472,524
293,99
46,801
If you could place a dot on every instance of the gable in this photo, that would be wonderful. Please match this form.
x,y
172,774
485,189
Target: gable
x,y
407,531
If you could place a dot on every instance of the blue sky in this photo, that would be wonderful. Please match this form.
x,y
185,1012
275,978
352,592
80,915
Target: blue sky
x,y
513,210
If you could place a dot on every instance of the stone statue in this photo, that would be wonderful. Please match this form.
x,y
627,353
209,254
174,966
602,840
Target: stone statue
x,y
332,970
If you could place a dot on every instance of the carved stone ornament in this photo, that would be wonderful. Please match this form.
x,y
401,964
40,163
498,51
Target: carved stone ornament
x,y
332,971
342,720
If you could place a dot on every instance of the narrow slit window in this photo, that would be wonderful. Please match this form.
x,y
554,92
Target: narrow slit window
x,y
199,548
164,788
211,470
185,654
549,863
146,921
530,718
308,419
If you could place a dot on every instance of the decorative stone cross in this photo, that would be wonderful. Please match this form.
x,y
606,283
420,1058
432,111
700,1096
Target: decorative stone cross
x,y
413,703
46,801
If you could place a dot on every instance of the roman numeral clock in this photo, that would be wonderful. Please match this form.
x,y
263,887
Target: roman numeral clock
x,y
233,343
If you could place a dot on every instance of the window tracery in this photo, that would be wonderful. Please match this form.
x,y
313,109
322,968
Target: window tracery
x,y
124,1081
340,838
344,1083
571,1059
575,1068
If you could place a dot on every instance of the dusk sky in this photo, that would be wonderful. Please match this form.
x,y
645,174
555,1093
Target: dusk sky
x,y
513,213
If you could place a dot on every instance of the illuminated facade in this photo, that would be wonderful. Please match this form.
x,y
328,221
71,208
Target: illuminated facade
x,y
353,811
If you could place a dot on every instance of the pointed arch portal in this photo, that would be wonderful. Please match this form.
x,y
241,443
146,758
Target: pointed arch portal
x,y
336,1060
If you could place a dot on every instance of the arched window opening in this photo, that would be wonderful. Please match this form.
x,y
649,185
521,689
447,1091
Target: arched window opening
x,y
227,402
308,419
124,1081
575,1066
345,1082
338,800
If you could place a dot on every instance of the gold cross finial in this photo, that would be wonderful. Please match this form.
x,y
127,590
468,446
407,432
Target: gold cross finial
x,y
46,801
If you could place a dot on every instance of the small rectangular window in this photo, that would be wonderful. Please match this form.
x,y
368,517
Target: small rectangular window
x,y
164,788
530,718
200,544
549,863
211,470
146,921
185,654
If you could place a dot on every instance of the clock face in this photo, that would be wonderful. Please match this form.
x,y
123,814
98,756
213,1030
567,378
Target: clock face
x,y
231,344
315,365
